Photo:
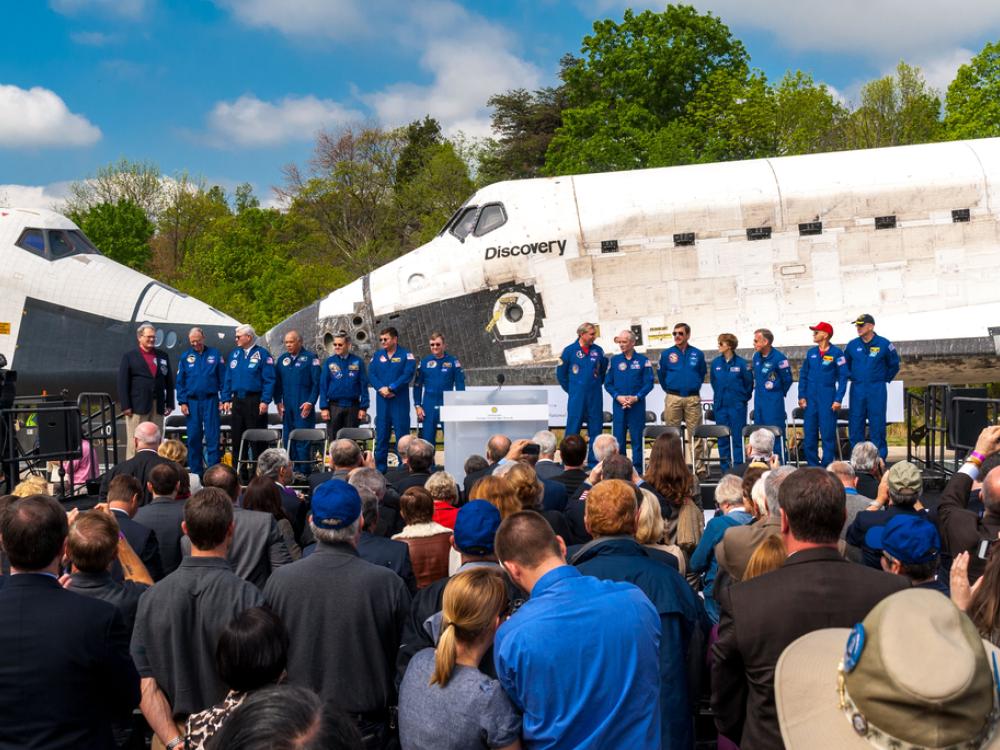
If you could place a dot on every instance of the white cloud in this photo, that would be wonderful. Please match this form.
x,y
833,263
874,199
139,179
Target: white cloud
x,y
940,71
466,56
92,38
51,196
39,117
249,121
464,73
130,9
880,31
334,19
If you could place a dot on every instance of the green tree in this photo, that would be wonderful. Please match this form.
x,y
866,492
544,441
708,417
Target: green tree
x,y
245,198
895,110
120,230
807,119
523,123
188,209
434,193
634,78
138,182
252,265
350,195
972,104
420,137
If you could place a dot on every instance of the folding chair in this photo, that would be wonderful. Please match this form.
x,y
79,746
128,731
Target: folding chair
x,y
312,436
797,425
175,426
359,435
716,432
843,434
254,437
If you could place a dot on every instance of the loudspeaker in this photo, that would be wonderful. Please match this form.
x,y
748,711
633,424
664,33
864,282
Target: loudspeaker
x,y
968,418
59,433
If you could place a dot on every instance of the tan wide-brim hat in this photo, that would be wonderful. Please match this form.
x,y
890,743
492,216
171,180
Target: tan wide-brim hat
x,y
807,694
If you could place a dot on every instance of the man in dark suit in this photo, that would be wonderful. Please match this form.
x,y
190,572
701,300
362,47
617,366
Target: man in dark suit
x,y
497,448
379,550
815,588
573,450
546,467
396,473
145,442
65,673
123,502
145,384
164,515
420,458
92,546
258,548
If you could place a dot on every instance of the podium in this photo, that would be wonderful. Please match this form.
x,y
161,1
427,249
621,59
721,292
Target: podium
x,y
471,417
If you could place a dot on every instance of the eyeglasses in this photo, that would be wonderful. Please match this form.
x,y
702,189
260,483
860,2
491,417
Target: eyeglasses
x,y
338,346
384,340
679,334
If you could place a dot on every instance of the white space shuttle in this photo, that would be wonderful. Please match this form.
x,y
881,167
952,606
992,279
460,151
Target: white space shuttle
x,y
907,234
67,313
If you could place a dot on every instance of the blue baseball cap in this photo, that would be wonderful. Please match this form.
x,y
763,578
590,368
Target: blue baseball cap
x,y
476,526
335,505
907,537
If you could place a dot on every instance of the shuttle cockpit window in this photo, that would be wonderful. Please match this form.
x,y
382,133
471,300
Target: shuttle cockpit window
x,y
491,216
465,222
55,244
60,245
33,241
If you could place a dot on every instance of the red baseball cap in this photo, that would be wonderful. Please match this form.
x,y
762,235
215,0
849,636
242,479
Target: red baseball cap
x,y
825,327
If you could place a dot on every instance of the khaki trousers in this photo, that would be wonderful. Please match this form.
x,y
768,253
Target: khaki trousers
x,y
687,409
134,420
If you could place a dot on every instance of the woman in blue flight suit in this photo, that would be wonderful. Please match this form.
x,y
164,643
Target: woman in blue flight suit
x,y
732,386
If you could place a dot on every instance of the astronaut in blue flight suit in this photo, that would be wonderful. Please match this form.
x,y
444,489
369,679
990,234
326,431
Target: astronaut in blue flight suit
x,y
629,381
436,373
343,388
872,361
822,385
732,385
296,387
200,373
581,370
772,375
390,373
247,389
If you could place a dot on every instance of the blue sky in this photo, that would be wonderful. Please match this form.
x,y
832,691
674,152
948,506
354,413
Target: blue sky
x,y
232,90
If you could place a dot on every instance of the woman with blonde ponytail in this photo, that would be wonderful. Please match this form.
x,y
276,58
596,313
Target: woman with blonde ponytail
x,y
444,700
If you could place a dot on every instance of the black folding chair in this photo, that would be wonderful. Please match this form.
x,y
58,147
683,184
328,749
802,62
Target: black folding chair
x,y
708,433
254,438
313,437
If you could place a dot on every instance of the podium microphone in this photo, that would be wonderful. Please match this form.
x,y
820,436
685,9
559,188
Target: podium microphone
x,y
501,378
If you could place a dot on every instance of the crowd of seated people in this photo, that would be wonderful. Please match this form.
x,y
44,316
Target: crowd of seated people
x,y
542,603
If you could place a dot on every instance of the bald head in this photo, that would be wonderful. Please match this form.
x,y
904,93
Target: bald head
x,y
147,435
991,490
497,447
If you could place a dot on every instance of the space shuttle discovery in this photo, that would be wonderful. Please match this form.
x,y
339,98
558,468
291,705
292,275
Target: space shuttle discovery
x,y
908,234
67,313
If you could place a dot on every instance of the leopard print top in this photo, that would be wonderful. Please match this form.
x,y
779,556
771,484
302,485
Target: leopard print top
x,y
203,725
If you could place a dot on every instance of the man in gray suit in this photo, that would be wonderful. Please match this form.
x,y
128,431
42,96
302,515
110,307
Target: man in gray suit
x,y
258,548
